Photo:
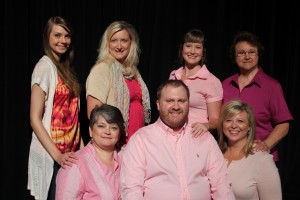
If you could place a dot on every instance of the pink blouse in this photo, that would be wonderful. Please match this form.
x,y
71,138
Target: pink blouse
x,y
136,115
89,178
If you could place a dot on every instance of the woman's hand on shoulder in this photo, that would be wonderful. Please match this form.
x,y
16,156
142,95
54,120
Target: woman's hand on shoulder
x,y
260,146
199,128
67,159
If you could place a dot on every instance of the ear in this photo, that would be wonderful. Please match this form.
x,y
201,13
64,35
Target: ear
x,y
157,105
90,132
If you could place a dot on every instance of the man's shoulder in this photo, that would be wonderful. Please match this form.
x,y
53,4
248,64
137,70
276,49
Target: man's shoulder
x,y
147,130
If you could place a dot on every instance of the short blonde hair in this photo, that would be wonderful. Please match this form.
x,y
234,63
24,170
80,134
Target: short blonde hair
x,y
230,109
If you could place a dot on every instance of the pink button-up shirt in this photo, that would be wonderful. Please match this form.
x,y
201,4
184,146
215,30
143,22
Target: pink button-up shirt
x,y
161,165
89,178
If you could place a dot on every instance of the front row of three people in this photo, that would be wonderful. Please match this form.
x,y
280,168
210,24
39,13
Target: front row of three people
x,y
164,161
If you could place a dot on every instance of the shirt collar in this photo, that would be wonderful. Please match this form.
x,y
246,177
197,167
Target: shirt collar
x,y
203,73
257,79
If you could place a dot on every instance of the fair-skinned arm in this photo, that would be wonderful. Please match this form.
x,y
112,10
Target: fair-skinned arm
x,y
213,110
37,101
279,132
92,102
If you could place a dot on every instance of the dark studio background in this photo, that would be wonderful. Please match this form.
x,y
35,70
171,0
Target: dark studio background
x,y
161,25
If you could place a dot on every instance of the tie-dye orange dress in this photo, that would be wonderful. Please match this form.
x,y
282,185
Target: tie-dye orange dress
x,y
65,126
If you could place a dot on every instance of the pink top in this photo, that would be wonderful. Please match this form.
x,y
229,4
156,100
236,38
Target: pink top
x,y
255,177
136,115
89,178
157,165
204,88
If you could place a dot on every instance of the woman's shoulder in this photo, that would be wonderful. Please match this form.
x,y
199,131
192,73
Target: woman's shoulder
x,y
44,67
101,65
230,78
85,153
101,68
45,62
176,73
262,156
267,78
214,79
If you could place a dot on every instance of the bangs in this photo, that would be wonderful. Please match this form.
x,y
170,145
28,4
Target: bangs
x,y
194,37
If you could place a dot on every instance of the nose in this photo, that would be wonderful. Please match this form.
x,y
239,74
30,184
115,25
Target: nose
x,y
63,40
175,105
119,45
192,49
247,55
107,131
233,124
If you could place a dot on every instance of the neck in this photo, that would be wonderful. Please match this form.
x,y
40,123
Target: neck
x,y
245,77
190,70
235,150
249,74
105,155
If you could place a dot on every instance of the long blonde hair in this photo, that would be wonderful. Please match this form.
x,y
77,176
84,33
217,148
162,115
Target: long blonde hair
x,y
132,59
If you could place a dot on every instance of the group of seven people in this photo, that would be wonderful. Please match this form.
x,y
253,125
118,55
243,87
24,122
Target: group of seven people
x,y
176,157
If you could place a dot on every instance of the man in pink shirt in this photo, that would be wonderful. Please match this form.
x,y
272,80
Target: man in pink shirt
x,y
163,161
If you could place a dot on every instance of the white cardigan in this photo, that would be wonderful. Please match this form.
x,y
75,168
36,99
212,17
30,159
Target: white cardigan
x,y
40,163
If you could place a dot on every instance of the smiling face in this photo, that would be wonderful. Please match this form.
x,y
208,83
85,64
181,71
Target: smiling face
x,y
104,135
173,106
236,128
246,56
119,45
59,40
192,53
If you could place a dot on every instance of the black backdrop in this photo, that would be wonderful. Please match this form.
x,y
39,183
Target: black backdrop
x,y
161,25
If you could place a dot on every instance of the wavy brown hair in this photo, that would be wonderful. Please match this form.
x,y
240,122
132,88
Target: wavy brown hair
x,y
64,66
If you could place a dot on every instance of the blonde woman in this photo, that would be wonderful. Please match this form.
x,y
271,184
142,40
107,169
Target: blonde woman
x,y
115,79
253,174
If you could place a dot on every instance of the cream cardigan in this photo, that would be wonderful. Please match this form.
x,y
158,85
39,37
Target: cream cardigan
x,y
40,163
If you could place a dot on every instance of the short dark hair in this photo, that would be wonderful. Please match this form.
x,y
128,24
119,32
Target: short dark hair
x,y
193,36
112,115
174,83
245,36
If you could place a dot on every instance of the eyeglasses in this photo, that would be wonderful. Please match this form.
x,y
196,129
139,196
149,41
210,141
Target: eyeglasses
x,y
243,53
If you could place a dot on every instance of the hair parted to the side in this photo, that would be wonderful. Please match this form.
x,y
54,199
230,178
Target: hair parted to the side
x,y
112,115
230,109
65,64
132,59
193,36
173,83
